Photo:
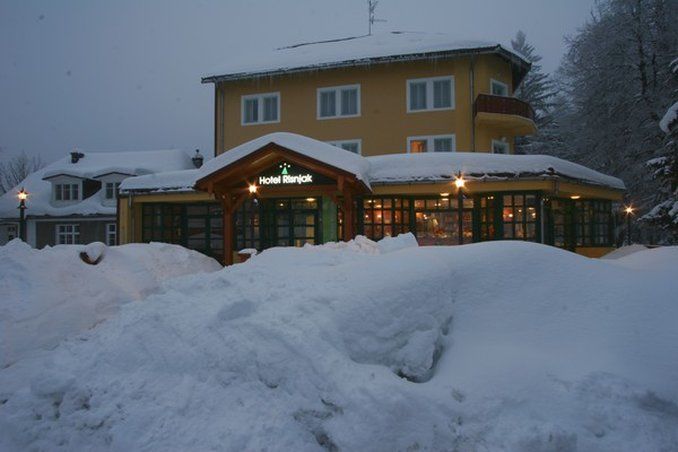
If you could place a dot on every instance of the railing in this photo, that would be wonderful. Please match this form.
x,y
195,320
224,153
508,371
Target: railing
x,y
487,103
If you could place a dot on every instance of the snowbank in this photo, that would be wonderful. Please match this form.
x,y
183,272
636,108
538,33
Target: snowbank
x,y
50,294
492,346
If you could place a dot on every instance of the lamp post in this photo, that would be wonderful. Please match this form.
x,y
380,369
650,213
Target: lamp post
x,y
22,195
460,183
629,211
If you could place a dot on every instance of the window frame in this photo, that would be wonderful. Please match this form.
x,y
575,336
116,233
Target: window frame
x,y
430,93
111,234
74,233
339,143
494,82
115,187
338,102
59,188
430,141
260,108
506,143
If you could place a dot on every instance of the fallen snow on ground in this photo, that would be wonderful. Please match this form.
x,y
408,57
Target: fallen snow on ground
x,y
50,294
624,251
492,346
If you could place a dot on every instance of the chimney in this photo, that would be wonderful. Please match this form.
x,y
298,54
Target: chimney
x,y
197,159
75,156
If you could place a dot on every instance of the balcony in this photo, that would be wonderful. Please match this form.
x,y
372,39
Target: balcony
x,y
508,113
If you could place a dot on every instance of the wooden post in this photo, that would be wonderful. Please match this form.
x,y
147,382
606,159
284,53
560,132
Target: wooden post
x,y
348,216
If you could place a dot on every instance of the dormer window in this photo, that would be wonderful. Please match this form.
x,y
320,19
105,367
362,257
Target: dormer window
x,y
112,190
67,192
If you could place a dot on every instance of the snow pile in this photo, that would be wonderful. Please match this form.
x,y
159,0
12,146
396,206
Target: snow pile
x,y
492,346
624,251
50,294
669,118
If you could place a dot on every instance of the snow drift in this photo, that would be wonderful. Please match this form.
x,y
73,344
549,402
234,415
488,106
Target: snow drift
x,y
492,346
50,294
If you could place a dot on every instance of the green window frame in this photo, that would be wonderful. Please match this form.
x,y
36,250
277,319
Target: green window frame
x,y
384,216
520,216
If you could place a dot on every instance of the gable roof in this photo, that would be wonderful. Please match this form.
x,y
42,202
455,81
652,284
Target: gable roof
x,y
92,165
361,50
309,147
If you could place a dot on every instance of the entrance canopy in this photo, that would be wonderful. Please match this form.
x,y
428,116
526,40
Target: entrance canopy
x,y
284,164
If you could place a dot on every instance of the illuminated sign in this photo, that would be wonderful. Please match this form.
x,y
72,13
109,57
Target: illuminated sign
x,y
285,178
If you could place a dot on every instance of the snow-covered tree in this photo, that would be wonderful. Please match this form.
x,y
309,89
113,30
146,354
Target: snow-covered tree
x,y
538,90
665,170
614,76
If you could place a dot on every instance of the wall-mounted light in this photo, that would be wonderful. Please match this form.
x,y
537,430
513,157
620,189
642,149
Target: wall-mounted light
x,y
253,188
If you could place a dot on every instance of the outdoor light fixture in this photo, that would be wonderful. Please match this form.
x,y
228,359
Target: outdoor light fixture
x,y
460,183
575,197
253,188
629,211
23,196
310,199
444,195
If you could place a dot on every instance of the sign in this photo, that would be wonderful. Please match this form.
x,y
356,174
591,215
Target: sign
x,y
286,175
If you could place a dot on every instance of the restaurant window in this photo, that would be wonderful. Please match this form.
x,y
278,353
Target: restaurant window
x,y
382,217
430,94
487,218
593,222
432,143
67,234
560,223
161,223
261,108
247,226
520,216
339,101
437,221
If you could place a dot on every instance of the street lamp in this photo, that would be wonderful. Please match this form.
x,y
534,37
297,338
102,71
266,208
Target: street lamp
x,y
460,183
22,195
629,211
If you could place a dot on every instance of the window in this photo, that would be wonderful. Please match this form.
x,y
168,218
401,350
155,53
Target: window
x,y
385,217
12,232
435,143
67,234
430,94
593,222
112,190
520,217
437,221
339,101
67,192
498,88
247,222
111,234
500,147
261,108
348,145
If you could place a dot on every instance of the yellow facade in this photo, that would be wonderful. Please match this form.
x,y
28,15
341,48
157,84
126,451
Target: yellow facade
x,y
384,124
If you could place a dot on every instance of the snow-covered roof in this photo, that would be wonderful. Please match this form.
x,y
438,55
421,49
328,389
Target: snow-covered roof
x,y
353,51
395,168
385,169
92,165
318,150
669,119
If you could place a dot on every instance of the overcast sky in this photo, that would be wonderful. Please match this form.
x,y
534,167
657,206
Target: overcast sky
x,y
125,75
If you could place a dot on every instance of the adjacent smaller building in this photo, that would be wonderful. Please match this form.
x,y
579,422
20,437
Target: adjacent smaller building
x,y
75,199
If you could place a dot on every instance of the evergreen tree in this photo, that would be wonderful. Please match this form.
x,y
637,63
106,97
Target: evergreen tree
x,y
614,76
665,171
538,90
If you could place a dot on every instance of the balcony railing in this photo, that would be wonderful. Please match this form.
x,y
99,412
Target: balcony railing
x,y
487,103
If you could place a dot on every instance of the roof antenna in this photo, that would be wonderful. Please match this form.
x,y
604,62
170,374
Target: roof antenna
x,y
371,6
